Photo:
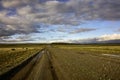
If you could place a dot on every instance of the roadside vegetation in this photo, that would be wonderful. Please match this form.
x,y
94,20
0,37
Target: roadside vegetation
x,y
11,57
92,48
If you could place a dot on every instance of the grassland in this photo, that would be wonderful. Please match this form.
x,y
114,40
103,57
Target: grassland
x,y
93,48
63,62
86,62
13,56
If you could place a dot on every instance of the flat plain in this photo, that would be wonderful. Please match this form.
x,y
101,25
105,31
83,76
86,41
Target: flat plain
x,y
86,62
62,61
11,56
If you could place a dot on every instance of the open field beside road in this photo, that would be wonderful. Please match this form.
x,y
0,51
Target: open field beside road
x,y
62,62
88,62
9,57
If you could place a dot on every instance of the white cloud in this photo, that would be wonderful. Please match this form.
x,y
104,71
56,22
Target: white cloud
x,y
109,37
101,39
24,10
12,3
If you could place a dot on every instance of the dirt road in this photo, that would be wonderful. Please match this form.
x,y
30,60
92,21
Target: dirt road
x,y
37,67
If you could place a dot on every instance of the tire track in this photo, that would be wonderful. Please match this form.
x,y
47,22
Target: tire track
x,y
54,75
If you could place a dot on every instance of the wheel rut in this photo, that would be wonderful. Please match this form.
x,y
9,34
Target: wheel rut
x,y
54,75
33,68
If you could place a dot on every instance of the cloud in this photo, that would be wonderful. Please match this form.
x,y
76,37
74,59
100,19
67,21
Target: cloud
x,y
12,3
88,40
9,30
24,10
16,3
107,38
70,12
11,25
62,29
21,38
27,14
81,30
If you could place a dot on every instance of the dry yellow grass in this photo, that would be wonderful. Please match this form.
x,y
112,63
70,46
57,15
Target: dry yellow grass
x,y
73,63
11,57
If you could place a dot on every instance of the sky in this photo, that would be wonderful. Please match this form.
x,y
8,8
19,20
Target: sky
x,y
47,21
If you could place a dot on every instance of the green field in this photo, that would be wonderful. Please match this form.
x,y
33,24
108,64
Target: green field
x,y
66,62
